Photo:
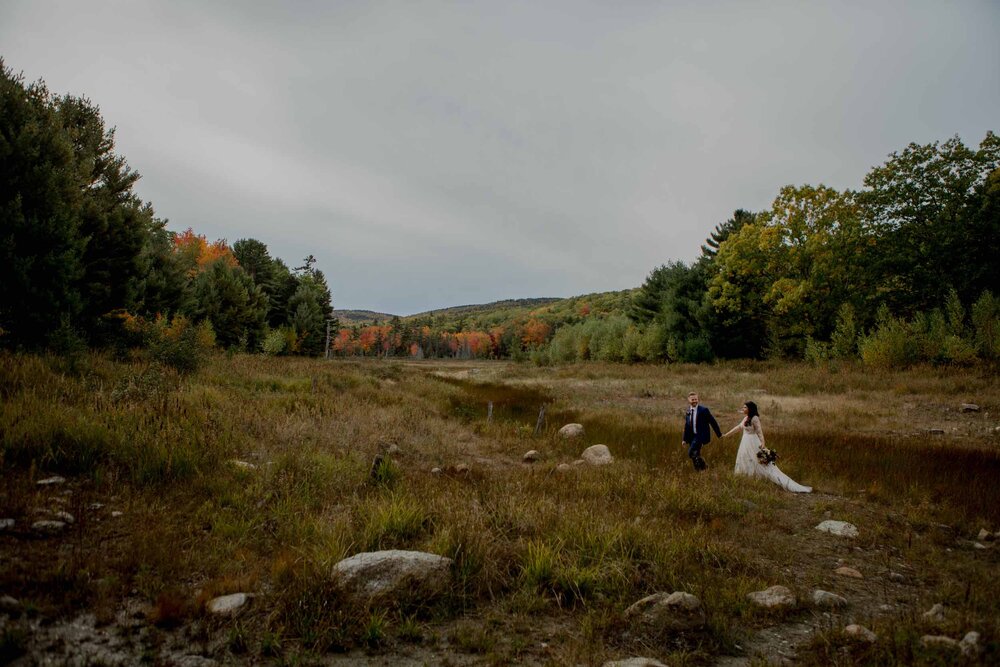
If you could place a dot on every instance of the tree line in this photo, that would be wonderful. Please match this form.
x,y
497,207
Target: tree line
x,y
85,262
912,256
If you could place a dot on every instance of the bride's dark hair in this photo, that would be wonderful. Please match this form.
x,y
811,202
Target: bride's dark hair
x,y
751,412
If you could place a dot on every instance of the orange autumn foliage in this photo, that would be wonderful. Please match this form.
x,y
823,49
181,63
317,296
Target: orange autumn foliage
x,y
199,252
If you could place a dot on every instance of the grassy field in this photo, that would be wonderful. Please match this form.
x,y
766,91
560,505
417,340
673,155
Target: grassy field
x,y
545,561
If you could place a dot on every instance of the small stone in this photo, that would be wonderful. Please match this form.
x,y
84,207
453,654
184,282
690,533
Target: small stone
x,y
979,545
226,605
775,597
828,600
985,535
563,468
677,611
9,605
462,469
935,431
530,456
839,528
860,632
95,506
939,642
436,471
579,462
597,455
115,514
65,517
243,465
935,614
49,527
393,449
6,524
634,662
897,577
50,481
970,644
970,407
572,431
848,572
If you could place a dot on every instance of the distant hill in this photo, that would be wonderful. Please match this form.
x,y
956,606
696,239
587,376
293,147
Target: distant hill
x,y
352,317
480,308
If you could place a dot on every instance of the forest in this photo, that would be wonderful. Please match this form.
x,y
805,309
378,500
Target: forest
x,y
901,271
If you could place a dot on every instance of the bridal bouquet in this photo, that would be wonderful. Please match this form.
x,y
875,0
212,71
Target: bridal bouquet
x,y
766,456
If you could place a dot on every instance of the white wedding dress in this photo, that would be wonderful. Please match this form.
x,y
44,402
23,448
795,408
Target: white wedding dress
x,y
747,463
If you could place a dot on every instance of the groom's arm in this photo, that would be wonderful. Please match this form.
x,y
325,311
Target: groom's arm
x,y
714,424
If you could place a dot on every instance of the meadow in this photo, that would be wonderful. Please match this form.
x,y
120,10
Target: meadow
x,y
545,561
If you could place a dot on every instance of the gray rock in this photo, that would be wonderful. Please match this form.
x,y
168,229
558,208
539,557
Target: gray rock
x,y
634,662
571,431
848,572
970,644
51,481
462,469
48,527
242,465
970,407
65,517
677,611
839,528
95,506
935,431
597,455
898,577
939,642
227,605
530,456
563,468
828,600
394,574
115,514
9,605
393,450
979,545
860,632
775,597
935,614
436,471
985,535
6,524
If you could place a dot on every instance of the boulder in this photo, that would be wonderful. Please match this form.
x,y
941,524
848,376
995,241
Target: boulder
x,y
394,574
970,644
597,455
571,431
840,528
227,605
775,597
677,611
940,642
935,614
828,600
848,572
530,456
860,632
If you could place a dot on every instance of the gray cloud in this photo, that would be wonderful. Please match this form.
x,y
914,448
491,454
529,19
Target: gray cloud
x,y
431,153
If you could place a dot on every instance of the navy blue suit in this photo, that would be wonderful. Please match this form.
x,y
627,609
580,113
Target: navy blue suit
x,y
699,433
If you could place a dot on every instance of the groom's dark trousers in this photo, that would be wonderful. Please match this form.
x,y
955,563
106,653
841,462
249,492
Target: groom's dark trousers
x,y
698,426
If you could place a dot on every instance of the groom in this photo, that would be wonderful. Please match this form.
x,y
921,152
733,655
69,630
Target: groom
x,y
696,430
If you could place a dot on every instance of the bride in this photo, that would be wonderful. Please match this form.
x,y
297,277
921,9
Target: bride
x,y
752,442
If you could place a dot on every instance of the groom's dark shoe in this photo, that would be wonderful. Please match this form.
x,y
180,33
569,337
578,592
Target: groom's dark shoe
x,y
699,464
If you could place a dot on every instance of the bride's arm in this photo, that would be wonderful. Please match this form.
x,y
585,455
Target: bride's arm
x,y
732,430
758,430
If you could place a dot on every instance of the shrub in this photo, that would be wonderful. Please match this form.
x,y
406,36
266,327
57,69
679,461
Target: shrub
x,y
275,343
986,323
180,344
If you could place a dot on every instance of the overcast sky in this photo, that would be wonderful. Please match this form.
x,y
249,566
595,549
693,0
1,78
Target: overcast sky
x,y
434,154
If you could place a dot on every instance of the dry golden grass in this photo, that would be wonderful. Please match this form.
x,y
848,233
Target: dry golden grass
x,y
541,557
